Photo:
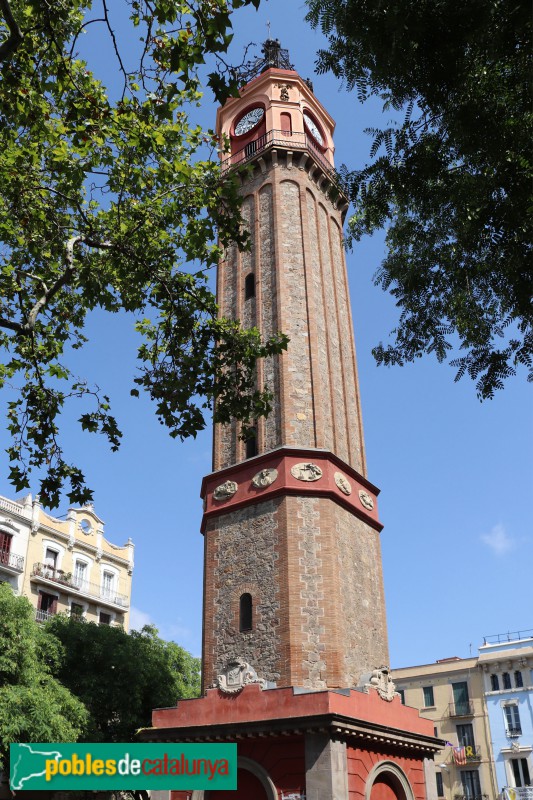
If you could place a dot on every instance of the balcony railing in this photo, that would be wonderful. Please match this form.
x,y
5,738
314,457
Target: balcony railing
x,y
517,793
470,797
43,616
472,753
77,584
287,141
511,636
514,731
12,561
464,709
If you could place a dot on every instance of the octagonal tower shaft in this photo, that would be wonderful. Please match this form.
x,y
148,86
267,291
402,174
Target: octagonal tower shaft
x,y
293,581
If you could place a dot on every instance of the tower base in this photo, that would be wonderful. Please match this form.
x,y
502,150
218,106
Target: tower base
x,y
294,744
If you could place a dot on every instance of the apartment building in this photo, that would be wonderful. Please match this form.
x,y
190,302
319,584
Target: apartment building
x,y
450,692
506,664
65,565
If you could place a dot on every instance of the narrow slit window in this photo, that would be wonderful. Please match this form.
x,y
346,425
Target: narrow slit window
x,y
251,445
245,612
249,286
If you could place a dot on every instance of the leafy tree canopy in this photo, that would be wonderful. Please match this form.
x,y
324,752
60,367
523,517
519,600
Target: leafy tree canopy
x,y
452,181
106,201
121,677
34,705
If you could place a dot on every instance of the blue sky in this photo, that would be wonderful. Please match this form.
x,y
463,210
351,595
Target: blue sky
x,y
455,473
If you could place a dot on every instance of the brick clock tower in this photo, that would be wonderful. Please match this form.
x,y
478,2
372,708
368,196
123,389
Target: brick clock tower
x,y
294,631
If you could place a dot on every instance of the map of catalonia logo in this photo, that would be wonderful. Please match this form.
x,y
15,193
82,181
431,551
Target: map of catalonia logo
x,y
122,766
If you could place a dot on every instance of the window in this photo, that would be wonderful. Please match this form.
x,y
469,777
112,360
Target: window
x,y
520,769
518,681
107,584
460,698
76,610
245,612
80,574
50,557
512,720
465,735
471,785
5,547
249,286
401,692
251,445
436,732
104,619
286,123
47,603
428,696
506,679
440,787
494,683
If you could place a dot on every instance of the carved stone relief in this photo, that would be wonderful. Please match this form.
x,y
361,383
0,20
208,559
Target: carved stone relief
x,y
366,500
236,676
343,483
284,91
225,490
306,472
381,680
265,478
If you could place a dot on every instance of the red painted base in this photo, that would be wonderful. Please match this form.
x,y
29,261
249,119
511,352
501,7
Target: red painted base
x,y
273,729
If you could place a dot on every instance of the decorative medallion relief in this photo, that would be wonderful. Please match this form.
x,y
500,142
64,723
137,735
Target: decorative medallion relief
x,y
342,483
264,478
381,680
366,500
306,472
236,676
225,490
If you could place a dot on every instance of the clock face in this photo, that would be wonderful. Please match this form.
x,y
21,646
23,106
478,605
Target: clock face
x,y
249,121
312,127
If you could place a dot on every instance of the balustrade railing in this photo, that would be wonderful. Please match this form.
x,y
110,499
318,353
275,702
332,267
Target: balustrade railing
x,y
12,561
79,584
464,709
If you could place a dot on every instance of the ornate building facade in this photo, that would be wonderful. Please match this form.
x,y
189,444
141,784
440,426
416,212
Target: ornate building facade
x,y
65,565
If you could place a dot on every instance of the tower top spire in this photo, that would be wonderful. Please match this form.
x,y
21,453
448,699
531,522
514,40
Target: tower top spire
x,y
273,55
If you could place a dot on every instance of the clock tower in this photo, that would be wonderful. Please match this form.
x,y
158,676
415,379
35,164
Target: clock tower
x,y
294,632
293,580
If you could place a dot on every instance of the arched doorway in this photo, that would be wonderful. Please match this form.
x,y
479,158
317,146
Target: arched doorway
x,y
250,788
253,781
387,781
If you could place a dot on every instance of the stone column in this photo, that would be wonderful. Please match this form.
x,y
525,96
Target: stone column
x,y
326,769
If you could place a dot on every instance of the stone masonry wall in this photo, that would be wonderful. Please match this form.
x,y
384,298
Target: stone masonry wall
x,y
301,289
242,556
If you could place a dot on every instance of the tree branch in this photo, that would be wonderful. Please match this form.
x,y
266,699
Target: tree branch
x,y
8,47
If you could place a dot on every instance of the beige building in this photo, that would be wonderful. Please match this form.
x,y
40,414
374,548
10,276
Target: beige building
x,y
450,693
65,565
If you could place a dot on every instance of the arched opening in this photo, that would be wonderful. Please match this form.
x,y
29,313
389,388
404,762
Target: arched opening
x,y
249,286
245,612
388,782
286,123
251,444
248,786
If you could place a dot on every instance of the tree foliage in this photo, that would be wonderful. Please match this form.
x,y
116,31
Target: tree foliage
x,y
109,200
34,705
452,180
120,677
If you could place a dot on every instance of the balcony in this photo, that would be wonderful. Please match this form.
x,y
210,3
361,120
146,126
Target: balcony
x,y
11,562
517,793
286,141
44,616
44,573
470,797
464,709
513,732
